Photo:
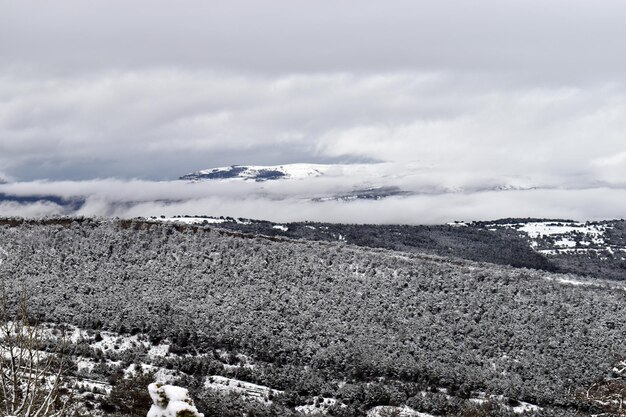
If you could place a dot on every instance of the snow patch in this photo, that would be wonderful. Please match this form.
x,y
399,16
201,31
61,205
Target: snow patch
x,y
191,220
160,374
405,411
553,238
258,392
537,229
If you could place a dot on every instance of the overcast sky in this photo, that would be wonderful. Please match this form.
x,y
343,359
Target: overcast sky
x,y
155,89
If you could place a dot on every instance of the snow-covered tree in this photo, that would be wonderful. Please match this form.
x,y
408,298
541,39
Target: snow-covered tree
x,y
171,401
31,379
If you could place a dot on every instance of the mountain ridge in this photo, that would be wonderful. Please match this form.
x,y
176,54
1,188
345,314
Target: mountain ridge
x,y
257,173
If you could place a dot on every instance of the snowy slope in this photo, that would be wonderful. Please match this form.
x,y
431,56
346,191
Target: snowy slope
x,y
258,172
414,176
554,237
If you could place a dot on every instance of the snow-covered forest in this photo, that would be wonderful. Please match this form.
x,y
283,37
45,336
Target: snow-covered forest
x,y
268,325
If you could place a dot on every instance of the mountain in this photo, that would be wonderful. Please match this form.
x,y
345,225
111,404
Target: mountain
x,y
258,173
351,182
367,176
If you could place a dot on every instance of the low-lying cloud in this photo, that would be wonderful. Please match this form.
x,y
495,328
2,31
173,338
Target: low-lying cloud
x,y
293,200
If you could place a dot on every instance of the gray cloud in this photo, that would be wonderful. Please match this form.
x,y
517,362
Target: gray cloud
x,y
589,204
129,199
33,210
163,123
475,94
556,41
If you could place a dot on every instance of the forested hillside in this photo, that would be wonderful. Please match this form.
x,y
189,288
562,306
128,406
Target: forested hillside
x,y
503,247
322,318
594,249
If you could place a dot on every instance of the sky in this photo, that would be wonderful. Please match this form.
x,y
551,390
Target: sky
x,y
151,90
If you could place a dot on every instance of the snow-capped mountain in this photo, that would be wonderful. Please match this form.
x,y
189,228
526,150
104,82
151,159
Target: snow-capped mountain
x,y
258,173
346,182
417,177
350,182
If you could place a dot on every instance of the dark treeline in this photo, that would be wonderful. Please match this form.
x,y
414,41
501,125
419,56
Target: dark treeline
x,y
477,241
503,247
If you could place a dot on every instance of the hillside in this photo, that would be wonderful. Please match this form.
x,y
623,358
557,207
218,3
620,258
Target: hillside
x,y
321,314
593,249
502,246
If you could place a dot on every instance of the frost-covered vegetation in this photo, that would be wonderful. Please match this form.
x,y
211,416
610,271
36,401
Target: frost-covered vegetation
x,y
595,249
171,401
476,243
309,325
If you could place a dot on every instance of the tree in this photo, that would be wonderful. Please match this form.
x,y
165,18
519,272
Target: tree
x,y
32,374
129,396
608,394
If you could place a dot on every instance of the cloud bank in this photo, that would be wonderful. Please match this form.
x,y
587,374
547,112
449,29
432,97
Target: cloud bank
x,y
107,101
293,200
160,124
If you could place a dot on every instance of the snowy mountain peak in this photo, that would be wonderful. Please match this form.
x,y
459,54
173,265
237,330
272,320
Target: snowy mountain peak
x,y
258,172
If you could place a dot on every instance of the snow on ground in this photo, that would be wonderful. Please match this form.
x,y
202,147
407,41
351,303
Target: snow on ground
x,y
525,408
565,243
522,407
109,341
191,220
405,411
563,237
85,365
162,375
573,282
158,351
280,227
569,280
113,341
87,385
538,229
457,224
247,389
243,361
